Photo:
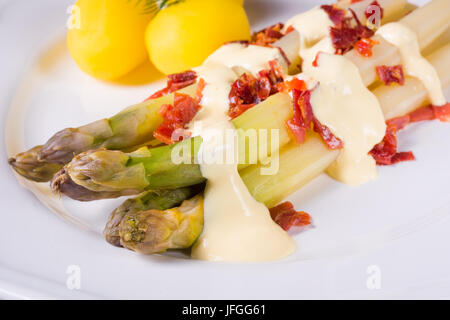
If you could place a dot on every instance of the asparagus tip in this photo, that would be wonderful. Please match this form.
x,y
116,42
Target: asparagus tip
x,y
30,167
62,183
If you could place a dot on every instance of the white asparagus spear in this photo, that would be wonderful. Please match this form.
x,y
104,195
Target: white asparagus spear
x,y
427,22
415,95
395,101
300,164
398,100
393,10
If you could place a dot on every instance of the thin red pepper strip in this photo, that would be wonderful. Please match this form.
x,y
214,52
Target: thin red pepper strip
x,y
391,74
175,82
247,90
199,91
430,112
244,94
274,75
176,117
303,114
286,216
303,117
315,63
427,113
385,153
284,55
328,137
364,47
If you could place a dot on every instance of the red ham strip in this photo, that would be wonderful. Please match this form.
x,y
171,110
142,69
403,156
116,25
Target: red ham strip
x,y
385,153
430,112
289,30
199,91
268,36
289,85
176,117
175,82
347,32
247,90
329,138
427,113
303,115
336,14
391,74
286,216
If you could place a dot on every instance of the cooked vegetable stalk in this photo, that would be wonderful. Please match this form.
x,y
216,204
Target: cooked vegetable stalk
x,y
102,174
154,231
105,174
399,100
297,169
135,125
298,165
268,115
392,10
131,127
150,200
427,30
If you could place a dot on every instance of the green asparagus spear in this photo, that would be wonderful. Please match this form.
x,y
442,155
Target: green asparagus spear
x,y
101,174
28,166
150,200
154,231
131,127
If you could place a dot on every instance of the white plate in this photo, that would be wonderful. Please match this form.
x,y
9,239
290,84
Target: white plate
x,y
395,227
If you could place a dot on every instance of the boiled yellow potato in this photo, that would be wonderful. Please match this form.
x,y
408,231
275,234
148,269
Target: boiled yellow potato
x,y
182,36
108,40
